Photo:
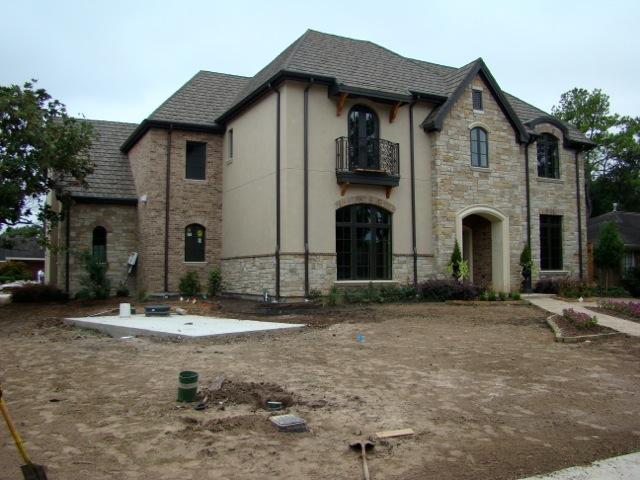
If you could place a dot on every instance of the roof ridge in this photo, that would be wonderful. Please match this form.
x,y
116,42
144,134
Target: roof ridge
x,y
106,121
222,73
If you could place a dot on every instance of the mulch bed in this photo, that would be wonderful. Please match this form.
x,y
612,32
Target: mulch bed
x,y
614,314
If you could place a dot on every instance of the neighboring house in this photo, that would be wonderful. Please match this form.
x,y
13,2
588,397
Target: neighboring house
x,y
628,224
27,251
340,162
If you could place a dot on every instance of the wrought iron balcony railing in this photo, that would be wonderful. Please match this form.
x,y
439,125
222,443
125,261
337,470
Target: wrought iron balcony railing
x,y
366,160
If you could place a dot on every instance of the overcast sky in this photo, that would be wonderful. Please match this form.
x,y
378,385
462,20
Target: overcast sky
x,y
118,60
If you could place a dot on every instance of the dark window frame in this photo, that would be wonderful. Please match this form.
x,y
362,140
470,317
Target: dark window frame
x,y
476,100
230,142
376,233
99,244
548,156
478,143
195,168
551,243
194,251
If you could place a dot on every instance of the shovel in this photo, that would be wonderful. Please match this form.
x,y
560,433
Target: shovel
x,y
363,446
30,470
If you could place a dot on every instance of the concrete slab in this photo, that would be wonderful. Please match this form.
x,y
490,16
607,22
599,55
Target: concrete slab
x,y
624,467
176,326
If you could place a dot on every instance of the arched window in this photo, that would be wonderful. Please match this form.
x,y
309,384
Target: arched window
x,y
99,244
363,243
364,145
548,160
194,238
479,148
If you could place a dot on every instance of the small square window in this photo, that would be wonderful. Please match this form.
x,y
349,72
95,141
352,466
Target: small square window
x,y
196,163
230,144
476,96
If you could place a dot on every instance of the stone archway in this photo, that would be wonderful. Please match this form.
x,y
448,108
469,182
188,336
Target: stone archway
x,y
490,240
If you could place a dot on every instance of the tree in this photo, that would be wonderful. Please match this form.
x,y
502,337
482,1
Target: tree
x,y
609,250
612,169
40,145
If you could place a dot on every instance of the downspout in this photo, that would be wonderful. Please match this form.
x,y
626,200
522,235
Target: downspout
x,y
277,191
67,244
306,188
166,210
527,286
579,207
413,197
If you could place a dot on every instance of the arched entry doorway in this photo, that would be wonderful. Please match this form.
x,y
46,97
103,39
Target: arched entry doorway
x,y
483,233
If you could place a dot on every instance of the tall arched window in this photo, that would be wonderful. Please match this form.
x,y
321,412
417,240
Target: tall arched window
x,y
479,148
194,239
363,243
364,145
548,161
99,244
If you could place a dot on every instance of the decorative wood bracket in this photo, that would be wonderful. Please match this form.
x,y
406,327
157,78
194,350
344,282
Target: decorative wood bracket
x,y
394,112
341,102
343,188
388,191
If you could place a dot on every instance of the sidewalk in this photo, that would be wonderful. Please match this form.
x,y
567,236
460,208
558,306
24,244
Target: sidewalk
x,y
625,467
554,305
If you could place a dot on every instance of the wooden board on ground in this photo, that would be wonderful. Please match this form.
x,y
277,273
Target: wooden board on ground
x,y
395,433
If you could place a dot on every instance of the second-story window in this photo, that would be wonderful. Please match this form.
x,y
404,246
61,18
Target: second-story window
x,y
479,148
196,163
364,145
476,97
548,160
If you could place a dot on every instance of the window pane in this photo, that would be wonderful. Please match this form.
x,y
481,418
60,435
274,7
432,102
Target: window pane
x,y
99,244
363,214
477,99
363,252
196,160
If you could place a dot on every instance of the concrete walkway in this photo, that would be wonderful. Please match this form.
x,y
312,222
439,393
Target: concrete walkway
x,y
553,305
625,467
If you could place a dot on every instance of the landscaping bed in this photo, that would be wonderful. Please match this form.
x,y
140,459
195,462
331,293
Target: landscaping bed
x,y
574,326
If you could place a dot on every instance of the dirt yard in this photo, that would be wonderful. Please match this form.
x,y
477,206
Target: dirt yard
x,y
487,390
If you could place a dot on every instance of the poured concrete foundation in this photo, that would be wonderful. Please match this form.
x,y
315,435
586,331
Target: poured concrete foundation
x,y
176,326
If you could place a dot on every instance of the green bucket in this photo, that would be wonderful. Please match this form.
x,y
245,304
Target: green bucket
x,y
187,386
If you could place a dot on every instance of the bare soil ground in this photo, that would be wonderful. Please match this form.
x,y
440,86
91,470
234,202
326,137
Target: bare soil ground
x,y
487,390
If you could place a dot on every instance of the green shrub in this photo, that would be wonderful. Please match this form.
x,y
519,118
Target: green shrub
x,y
36,292
547,285
484,296
11,271
442,290
83,294
189,285
122,291
335,296
141,295
502,296
515,295
95,279
214,282
491,296
314,294
632,281
609,250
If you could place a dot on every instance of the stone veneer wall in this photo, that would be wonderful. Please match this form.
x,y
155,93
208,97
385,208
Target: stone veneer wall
x,y
120,223
455,184
252,275
558,197
190,201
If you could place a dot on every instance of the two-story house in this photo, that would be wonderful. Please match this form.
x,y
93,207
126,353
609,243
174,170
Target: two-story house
x,y
340,162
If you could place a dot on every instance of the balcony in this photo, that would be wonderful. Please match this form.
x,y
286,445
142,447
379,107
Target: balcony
x,y
368,161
